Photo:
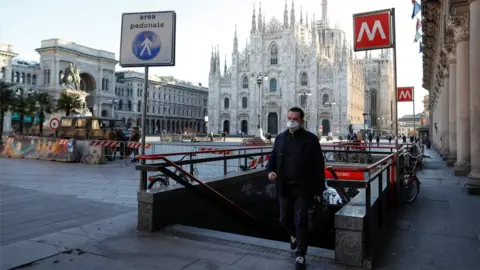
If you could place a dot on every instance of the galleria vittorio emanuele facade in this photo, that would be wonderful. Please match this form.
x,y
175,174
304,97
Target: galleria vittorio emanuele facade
x,y
451,72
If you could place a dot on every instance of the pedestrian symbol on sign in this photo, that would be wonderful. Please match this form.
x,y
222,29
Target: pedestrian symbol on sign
x,y
146,45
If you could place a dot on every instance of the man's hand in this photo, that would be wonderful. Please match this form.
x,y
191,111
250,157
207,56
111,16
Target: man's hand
x,y
272,176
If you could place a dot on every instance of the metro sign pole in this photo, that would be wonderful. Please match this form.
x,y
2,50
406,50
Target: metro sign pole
x,y
406,94
376,30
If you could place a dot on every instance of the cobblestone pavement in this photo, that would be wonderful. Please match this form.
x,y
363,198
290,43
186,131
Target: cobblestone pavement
x,y
77,216
440,230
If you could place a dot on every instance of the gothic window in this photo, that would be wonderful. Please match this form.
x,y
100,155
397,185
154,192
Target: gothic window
x,y
244,102
129,105
226,103
273,85
23,77
29,79
325,98
273,55
303,79
34,79
303,101
139,108
120,105
245,82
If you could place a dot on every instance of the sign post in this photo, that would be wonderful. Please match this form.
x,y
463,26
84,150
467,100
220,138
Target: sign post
x,y
406,94
147,40
376,30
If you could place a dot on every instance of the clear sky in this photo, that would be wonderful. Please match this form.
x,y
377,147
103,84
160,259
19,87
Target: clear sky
x,y
200,25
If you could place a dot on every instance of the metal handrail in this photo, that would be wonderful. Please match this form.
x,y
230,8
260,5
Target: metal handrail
x,y
193,178
160,156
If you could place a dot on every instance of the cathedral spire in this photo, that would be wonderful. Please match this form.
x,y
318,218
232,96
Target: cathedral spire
x,y
314,33
260,24
264,28
325,12
292,15
285,16
301,14
235,41
225,67
212,62
217,60
254,24
306,19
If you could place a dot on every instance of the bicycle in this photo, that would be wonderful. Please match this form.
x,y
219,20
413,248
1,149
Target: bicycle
x,y
409,183
159,180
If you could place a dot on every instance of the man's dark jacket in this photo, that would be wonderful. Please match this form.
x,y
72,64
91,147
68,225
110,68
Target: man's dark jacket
x,y
309,167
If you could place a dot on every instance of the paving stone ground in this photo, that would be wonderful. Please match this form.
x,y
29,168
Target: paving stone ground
x,y
75,216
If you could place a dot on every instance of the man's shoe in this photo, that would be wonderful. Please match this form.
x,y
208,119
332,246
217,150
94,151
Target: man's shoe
x,y
293,243
300,263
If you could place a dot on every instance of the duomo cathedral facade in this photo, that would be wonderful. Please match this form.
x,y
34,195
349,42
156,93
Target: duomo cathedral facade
x,y
304,63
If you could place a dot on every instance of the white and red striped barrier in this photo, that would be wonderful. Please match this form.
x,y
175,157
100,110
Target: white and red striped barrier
x,y
134,145
137,145
105,143
216,151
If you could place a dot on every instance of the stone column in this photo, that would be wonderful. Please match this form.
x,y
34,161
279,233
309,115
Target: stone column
x,y
444,118
461,31
452,112
475,91
436,137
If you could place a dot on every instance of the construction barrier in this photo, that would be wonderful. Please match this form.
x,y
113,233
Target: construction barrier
x,y
40,148
98,151
220,151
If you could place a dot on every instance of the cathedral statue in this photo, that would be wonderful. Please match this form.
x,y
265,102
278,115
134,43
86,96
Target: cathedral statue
x,y
71,77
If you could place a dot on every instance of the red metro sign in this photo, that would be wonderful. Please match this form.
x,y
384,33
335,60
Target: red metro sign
x,y
405,94
372,30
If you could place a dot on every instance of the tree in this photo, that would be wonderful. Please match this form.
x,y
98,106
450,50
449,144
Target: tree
x,y
7,99
21,105
69,103
45,104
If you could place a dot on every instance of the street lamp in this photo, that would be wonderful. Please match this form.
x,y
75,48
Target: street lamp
x,y
164,111
260,77
330,104
114,101
364,125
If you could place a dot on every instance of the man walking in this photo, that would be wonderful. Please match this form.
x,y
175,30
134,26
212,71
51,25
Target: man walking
x,y
297,166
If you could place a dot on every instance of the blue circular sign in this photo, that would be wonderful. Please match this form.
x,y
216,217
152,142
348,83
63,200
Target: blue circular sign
x,y
146,45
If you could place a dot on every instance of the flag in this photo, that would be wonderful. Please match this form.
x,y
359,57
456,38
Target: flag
x,y
420,47
416,8
418,36
419,24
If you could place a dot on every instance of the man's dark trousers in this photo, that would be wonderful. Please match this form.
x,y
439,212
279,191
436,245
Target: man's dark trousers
x,y
294,216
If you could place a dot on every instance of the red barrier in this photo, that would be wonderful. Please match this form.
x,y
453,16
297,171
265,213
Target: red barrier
x,y
346,175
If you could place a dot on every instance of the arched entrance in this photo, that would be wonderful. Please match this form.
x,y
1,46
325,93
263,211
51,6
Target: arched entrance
x,y
87,84
326,127
226,126
244,127
272,123
104,113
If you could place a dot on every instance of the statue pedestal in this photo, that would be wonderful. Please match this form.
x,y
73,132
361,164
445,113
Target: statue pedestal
x,y
83,96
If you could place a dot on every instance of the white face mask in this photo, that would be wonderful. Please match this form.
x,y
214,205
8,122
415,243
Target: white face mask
x,y
293,125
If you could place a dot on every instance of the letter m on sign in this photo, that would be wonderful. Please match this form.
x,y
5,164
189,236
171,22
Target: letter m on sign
x,y
372,30
405,94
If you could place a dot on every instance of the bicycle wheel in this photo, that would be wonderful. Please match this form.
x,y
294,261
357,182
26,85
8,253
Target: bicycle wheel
x,y
409,187
158,182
